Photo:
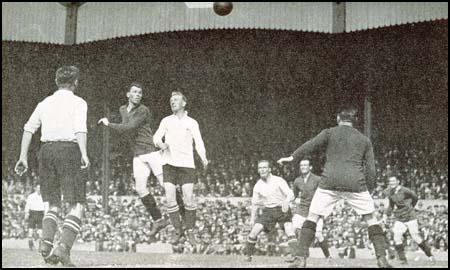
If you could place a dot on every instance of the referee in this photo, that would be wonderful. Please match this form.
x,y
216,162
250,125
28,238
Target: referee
x,y
63,161
34,213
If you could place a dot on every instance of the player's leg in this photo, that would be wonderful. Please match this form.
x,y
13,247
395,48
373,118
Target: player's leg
x,y
190,207
252,239
364,205
285,219
297,223
30,237
73,187
323,243
141,172
322,204
413,227
155,163
172,206
51,195
399,230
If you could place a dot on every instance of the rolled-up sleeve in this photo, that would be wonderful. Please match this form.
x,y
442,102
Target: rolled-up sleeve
x,y
80,117
34,122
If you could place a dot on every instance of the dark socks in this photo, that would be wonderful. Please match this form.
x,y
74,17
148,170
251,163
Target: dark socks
x,y
376,235
307,236
150,204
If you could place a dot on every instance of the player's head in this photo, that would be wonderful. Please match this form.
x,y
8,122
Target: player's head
x,y
393,181
347,114
67,77
177,101
134,94
305,165
264,169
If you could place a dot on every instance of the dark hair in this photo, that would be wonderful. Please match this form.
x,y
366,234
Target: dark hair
x,y
306,158
348,114
66,76
135,84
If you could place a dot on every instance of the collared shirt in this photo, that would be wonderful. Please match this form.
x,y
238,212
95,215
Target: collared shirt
x,y
272,192
137,123
350,164
179,134
34,203
61,115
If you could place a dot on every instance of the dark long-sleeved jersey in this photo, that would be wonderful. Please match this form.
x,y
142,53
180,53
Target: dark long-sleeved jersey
x,y
350,164
307,191
138,123
402,202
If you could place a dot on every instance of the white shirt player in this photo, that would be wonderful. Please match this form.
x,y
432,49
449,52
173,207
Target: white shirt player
x,y
61,115
272,193
179,135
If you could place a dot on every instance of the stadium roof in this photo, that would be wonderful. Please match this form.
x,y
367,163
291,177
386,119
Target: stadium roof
x,y
47,21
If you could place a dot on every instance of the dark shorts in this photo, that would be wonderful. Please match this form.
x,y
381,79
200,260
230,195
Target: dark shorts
x,y
178,175
35,219
271,216
60,173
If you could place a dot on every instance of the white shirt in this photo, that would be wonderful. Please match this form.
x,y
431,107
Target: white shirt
x,y
271,193
61,115
34,203
180,133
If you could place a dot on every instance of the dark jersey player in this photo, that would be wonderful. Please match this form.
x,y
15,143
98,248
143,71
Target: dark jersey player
x,y
401,203
137,121
349,170
304,188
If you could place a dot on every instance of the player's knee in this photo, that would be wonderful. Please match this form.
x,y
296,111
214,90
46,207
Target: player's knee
x,y
319,236
416,237
312,217
141,187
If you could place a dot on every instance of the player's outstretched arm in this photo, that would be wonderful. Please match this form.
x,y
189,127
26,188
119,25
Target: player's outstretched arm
x,y
199,145
285,159
312,145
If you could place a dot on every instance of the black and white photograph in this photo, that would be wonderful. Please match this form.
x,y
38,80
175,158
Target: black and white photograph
x,y
225,134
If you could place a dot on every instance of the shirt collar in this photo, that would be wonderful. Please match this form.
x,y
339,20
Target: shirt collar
x,y
306,177
63,91
184,115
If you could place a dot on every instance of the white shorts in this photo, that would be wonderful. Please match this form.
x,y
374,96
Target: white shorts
x,y
324,201
401,227
143,165
297,223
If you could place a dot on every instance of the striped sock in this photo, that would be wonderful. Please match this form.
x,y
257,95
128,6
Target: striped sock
x,y
49,227
174,216
71,228
190,214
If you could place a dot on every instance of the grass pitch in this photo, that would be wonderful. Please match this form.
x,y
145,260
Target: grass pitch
x,y
21,258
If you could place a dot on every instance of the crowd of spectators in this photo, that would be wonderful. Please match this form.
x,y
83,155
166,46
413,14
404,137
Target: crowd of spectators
x,y
421,166
221,227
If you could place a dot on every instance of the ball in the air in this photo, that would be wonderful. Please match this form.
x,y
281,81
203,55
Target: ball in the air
x,y
223,8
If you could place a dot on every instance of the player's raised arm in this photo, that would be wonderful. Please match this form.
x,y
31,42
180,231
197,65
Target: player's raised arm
x,y
312,145
135,122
